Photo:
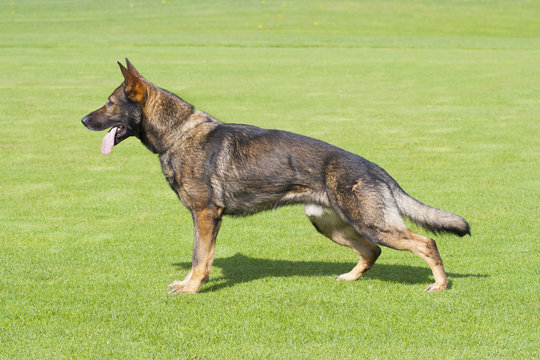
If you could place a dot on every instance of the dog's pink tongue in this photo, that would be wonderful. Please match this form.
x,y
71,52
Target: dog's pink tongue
x,y
108,141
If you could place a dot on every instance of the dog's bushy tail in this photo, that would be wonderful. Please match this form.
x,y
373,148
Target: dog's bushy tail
x,y
429,217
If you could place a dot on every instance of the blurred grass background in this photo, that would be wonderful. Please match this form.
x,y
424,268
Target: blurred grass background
x,y
443,95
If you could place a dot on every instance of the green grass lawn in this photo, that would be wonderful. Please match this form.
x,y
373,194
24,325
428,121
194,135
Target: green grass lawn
x,y
445,95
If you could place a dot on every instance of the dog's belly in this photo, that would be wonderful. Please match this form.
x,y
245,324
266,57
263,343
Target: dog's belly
x,y
253,201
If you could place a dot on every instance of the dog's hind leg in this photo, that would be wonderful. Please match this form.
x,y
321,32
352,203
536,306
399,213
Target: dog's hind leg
x,y
372,212
328,223
207,223
419,245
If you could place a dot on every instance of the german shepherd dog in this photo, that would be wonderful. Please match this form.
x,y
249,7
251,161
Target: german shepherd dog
x,y
221,169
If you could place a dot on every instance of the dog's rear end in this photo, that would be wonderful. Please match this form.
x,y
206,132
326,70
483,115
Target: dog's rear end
x,y
365,210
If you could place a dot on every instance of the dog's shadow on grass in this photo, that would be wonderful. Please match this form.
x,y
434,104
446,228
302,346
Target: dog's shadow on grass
x,y
240,269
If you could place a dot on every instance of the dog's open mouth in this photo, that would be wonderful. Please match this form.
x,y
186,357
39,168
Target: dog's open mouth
x,y
113,137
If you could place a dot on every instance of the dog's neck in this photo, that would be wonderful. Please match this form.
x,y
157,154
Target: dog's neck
x,y
164,116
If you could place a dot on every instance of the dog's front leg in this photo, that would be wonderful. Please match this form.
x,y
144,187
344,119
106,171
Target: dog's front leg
x,y
207,223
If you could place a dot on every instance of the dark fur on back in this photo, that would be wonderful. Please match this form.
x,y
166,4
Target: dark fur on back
x,y
221,169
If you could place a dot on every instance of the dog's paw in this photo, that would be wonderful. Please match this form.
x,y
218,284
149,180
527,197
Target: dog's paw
x,y
178,283
184,290
350,276
436,287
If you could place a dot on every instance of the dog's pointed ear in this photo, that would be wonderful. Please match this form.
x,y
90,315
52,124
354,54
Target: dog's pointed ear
x,y
134,87
132,69
125,71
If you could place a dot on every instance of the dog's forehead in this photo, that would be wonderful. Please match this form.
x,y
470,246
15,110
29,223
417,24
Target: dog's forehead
x,y
118,92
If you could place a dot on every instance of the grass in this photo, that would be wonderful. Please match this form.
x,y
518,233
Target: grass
x,y
443,95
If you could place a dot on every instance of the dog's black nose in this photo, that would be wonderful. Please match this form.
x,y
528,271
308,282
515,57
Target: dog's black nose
x,y
84,120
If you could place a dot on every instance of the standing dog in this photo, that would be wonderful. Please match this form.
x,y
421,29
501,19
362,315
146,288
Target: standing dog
x,y
221,169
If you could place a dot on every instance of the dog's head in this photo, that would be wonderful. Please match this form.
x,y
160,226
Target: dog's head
x,y
123,112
